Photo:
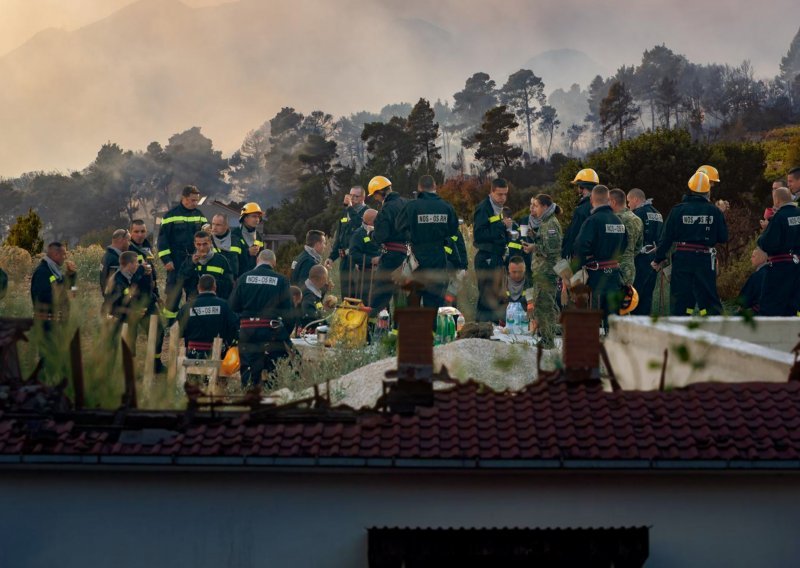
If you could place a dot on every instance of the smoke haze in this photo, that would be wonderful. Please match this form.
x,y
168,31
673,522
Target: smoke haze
x,y
136,71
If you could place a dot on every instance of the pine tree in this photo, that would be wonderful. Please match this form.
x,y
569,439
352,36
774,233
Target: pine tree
x,y
618,111
424,133
522,93
25,233
494,149
790,65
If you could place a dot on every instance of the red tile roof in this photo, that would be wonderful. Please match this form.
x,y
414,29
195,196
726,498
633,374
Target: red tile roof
x,y
548,424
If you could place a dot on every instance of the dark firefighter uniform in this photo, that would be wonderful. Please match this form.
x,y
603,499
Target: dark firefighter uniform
x,y
347,224
145,255
311,307
216,266
362,250
694,225
645,280
781,241
491,240
457,261
242,239
50,294
126,299
393,249
108,266
516,242
301,266
428,222
750,294
581,213
175,245
204,318
599,245
231,253
264,304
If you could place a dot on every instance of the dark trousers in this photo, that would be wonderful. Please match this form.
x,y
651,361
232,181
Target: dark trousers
x,y
645,283
174,292
384,287
346,276
489,273
780,295
259,350
606,285
693,285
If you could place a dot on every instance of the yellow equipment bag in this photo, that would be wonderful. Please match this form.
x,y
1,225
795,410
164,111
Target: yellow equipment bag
x,y
348,325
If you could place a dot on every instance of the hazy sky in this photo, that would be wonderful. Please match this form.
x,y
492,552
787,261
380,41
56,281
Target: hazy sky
x,y
150,70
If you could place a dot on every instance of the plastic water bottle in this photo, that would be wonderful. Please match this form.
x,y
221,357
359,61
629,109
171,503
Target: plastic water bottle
x,y
524,322
510,319
438,337
460,322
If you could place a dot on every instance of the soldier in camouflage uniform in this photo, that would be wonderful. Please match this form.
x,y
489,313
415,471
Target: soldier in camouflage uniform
x,y
546,250
635,231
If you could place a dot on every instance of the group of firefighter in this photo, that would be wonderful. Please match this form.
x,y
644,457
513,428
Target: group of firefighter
x,y
614,246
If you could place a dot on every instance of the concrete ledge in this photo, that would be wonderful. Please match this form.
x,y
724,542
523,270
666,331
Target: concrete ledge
x,y
635,347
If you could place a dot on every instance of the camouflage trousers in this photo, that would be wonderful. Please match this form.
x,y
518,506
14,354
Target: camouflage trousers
x,y
544,308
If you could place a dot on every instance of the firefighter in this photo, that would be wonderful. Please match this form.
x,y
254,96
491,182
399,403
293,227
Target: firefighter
x,y
695,226
781,242
598,248
428,223
634,229
205,261
311,255
315,297
348,223
364,257
120,242
246,240
653,224
517,284
750,294
206,317
545,249
224,242
585,180
145,256
457,264
491,240
264,304
389,239
127,294
50,284
176,244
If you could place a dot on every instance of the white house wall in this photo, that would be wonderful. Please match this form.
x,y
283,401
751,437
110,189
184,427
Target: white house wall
x,y
298,519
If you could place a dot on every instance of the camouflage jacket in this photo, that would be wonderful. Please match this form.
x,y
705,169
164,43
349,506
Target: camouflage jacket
x,y
635,230
548,242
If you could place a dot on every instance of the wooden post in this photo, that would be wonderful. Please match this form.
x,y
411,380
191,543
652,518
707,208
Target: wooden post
x,y
150,352
129,398
76,361
216,355
174,343
180,373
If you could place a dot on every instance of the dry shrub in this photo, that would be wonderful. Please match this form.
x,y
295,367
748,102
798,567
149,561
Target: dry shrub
x,y
17,262
88,261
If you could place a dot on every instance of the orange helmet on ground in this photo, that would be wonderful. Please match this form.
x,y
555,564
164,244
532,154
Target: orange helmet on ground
x,y
629,301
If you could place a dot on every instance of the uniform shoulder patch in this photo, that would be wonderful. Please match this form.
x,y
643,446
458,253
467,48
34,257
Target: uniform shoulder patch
x,y
794,221
294,264
655,217
615,228
425,218
205,311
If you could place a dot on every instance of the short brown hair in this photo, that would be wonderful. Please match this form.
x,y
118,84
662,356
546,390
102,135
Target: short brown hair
x,y
190,190
313,237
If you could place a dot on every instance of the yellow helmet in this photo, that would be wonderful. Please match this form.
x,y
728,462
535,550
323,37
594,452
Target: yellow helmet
x,y
699,183
587,175
711,172
629,301
378,183
251,208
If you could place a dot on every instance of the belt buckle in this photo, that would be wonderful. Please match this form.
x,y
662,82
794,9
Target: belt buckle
x,y
275,324
796,259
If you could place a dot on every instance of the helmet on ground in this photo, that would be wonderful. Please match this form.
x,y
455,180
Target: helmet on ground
x,y
699,183
630,300
251,207
711,172
587,175
378,183
230,364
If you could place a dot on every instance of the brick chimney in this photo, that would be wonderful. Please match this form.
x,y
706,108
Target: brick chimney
x,y
581,347
411,385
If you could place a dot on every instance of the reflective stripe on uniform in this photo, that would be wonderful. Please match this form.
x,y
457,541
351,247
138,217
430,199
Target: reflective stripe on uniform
x,y
318,305
52,279
237,250
344,219
448,250
455,238
367,239
515,246
217,269
494,218
126,291
181,219
163,253
168,314
258,243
